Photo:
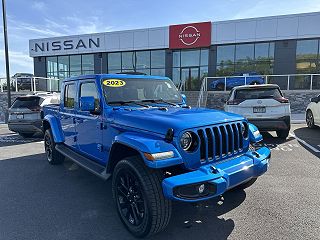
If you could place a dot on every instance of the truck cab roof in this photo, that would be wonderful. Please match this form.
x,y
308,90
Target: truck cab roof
x,y
117,75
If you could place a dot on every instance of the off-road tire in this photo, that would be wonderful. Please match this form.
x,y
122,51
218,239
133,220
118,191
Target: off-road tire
x,y
283,134
52,155
157,208
310,119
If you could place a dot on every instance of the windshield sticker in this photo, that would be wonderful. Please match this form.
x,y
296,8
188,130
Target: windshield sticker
x,y
114,83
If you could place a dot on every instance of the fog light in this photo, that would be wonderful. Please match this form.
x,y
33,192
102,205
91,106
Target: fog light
x,y
201,188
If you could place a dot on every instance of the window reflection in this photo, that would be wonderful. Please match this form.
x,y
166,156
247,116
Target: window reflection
x,y
74,65
141,61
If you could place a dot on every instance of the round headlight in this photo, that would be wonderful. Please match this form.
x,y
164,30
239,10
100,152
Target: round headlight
x,y
243,129
186,141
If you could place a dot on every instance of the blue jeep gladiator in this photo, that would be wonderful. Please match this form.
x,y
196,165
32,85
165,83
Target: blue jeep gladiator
x,y
139,130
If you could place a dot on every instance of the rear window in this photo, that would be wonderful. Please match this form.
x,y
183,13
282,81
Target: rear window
x,y
262,93
27,102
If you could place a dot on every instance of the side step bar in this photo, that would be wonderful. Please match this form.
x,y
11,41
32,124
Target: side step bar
x,y
84,162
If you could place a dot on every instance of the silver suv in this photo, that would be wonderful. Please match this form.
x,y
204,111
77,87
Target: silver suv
x,y
25,114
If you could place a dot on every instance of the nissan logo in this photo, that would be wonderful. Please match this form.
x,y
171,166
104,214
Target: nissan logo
x,y
189,35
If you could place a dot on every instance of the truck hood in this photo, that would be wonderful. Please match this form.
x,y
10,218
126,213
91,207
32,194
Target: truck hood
x,y
159,121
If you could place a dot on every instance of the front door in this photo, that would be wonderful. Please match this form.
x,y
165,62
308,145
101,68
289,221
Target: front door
x,y
89,126
190,79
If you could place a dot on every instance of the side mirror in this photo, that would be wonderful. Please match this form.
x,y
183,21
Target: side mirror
x,y
184,98
87,104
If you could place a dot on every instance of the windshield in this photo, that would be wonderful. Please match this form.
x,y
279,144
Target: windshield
x,y
258,93
126,90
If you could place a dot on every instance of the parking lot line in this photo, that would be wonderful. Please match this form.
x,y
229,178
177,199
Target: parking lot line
x,y
305,143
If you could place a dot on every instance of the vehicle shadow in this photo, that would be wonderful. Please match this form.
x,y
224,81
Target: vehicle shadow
x,y
12,139
271,141
310,136
40,201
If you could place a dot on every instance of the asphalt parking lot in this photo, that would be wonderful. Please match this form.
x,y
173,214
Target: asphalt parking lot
x,y
39,201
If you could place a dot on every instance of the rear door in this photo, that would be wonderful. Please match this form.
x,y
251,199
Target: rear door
x,y
89,125
67,114
264,102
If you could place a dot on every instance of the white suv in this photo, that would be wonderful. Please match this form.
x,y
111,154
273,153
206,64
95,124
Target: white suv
x,y
263,105
313,112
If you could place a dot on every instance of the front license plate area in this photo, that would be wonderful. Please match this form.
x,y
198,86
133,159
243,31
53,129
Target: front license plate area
x,y
259,109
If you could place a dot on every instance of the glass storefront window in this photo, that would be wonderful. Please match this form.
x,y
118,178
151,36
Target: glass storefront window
x,y
145,71
204,60
225,54
190,58
158,72
128,60
244,53
52,65
63,62
307,49
176,59
262,52
114,61
143,59
158,59
87,62
75,63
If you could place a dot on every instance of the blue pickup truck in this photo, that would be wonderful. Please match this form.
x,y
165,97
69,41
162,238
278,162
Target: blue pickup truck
x,y
139,131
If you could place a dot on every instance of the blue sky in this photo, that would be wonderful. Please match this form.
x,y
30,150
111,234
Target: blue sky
x,y
29,19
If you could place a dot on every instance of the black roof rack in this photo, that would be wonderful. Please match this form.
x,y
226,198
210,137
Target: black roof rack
x,y
132,73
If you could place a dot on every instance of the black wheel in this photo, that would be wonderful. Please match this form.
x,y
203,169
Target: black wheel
x,y
283,134
139,199
26,135
53,156
310,119
246,184
220,87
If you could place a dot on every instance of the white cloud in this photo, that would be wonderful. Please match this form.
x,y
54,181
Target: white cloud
x,y
37,5
19,62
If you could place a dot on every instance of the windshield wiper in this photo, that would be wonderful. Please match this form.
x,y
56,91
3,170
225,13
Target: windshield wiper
x,y
159,101
128,102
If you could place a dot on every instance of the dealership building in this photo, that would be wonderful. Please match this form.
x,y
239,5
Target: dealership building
x,y
277,45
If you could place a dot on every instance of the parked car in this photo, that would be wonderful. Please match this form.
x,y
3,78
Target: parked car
x,y
263,105
313,112
25,114
139,130
251,78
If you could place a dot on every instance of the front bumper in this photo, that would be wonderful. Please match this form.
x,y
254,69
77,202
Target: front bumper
x,y
33,126
217,178
265,124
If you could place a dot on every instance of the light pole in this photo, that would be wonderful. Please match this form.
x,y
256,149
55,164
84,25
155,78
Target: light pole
x,y
6,51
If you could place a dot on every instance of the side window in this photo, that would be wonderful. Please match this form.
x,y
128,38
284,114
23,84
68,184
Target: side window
x,y
69,95
89,89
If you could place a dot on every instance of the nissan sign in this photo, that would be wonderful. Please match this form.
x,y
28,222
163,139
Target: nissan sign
x,y
191,35
66,45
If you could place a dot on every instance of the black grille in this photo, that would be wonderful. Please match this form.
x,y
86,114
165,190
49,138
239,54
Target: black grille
x,y
220,141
